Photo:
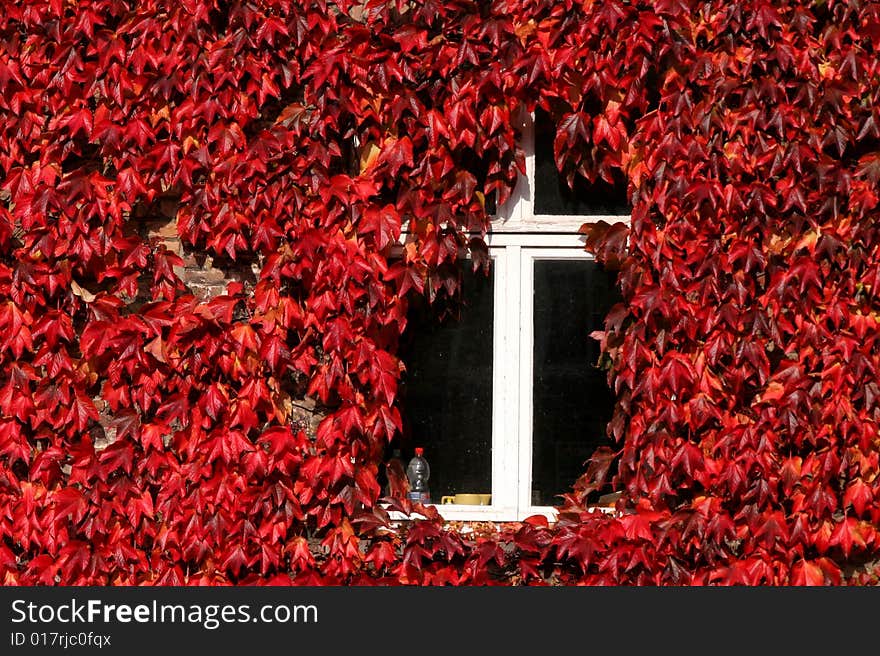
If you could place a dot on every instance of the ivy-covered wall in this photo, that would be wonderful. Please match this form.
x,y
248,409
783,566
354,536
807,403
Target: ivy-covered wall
x,y
208,401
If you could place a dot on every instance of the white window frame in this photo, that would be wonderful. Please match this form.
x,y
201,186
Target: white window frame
x,y
517,238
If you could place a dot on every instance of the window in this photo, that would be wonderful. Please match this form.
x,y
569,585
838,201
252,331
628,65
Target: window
x,y
448,387
507,399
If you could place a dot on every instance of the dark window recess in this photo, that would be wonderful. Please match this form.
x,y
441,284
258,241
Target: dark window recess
x,y
552,193
446,391
479,168
572,403
491,206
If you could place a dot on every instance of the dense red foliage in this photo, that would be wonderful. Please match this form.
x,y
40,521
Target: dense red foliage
x,y
302,136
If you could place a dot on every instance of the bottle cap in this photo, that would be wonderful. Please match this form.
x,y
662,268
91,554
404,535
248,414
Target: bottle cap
x,y
419,451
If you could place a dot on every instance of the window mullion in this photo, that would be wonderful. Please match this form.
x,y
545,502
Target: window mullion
x,y
504,424
524,382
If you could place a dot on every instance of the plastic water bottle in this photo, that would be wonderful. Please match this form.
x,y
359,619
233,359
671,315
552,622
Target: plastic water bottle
x,y
418,472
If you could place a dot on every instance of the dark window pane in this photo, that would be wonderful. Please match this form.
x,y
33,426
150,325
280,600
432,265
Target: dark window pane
x,y
552,193
446,392
491,206
572,403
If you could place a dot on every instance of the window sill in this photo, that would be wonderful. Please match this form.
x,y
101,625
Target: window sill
x,y
462,513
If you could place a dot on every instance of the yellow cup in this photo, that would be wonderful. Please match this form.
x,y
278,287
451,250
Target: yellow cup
x,y
467,499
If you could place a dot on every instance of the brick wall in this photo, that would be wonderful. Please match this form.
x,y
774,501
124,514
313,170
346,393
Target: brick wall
x,y
205,276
